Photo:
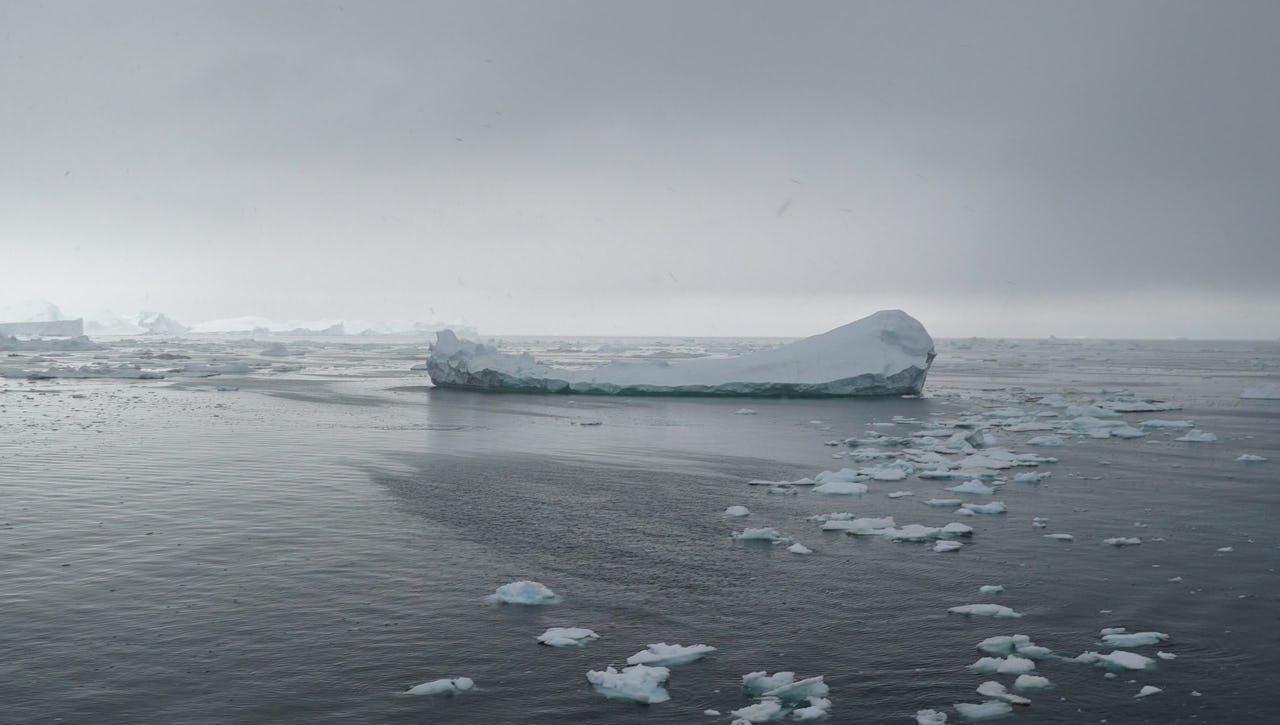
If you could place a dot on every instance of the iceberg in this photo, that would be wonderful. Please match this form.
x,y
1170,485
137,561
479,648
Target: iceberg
x,y
669,655
454,686
567,637
639,683
887,353
523,592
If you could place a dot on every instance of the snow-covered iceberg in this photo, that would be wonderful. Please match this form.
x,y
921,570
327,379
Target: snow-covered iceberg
x,y
887,353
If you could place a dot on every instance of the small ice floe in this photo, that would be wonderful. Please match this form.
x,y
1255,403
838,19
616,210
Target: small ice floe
x,y
758,683
798,548
995,507
1060,537
1250,458
930,717
567,637
817,709
1148,690
841,488
974,486
990,589
1118,660
945,546
1166,655
523,592
910,532
903,494
744,411
1265,391
1010,665
1039,522
735,511
799,690
1225,549
1046,441
447,686
943,503
767,709
864,526
1195,435
1126,431
997,691
989,710
1122,541
1158,424
1019,644
1031,682
1132,639
888,474
1032,477
638,683
711,713
787,490
985,610
760,534
669,655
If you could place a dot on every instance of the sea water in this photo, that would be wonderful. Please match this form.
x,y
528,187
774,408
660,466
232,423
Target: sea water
x,y
306,542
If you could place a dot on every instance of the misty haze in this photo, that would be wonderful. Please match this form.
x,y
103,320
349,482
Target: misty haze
x,y
665,362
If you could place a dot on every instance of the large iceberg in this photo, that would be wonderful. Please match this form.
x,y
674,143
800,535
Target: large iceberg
x,y
887,353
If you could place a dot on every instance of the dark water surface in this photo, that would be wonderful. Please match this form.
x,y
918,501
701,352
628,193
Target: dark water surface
x,y
308,546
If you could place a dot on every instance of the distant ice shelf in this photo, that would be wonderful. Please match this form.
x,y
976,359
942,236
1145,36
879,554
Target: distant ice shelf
x,y
887,353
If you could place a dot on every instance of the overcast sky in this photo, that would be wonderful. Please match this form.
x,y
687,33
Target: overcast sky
x,y
994,168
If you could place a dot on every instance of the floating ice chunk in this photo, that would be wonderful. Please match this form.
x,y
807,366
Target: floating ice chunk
x,y
888,473
1010,665
767,709
1090,424
930,717
1122,541
999,645
997,691
901,494
1225,549
841,488
861,526
985,610
995,507
1158,424
800,690
974,486
669,655
760,534
1127,431
1148,690
943,502
737,511
1089,411
639,683
1039,522
1166,655
1031,682
1265,391
1117,660
818,708
1247,458
945,546
1135,639
989,710
954,529
1046,441
798,548
711,712
844,475
1111,630
910,532
447,686
744,411
1032,477
990,589
567,637
523,592
1195,435
1060,537
758,683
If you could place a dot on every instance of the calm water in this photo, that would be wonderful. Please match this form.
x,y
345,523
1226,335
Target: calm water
x,y
307,546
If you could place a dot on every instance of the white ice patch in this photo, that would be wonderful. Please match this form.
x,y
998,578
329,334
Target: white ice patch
x,y
902,494
841,488
990,589
943,502
1045,441
798,548
995,507
997,691
989,710
1032,477
1195,435
765,710
817,709
567,637
1158,424
760,534
1031,682
1010,665
1148,690
985,610
744,411
1134,639
1250,458
448,686
930,717
1118,660
865,526
974,486
1122,541
758,683
669,655
523,592
1060,537
945,546
638,683
736,511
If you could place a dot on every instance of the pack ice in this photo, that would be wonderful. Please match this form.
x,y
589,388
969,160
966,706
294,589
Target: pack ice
x,y
887,353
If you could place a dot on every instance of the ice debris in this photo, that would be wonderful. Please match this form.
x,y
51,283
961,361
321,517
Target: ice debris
x,y
997,691
567,637
945,546
973,486
798,548
988,710
669,655
1250,458
1133,639
1148,690
759,534
930,717
1122,541
990,589
447,686
985,610
639,683
1009,665
1031,682
735,511
1195,435
1116,660
523,592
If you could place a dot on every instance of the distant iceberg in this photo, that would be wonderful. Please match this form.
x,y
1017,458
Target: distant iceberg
x,y
887,353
